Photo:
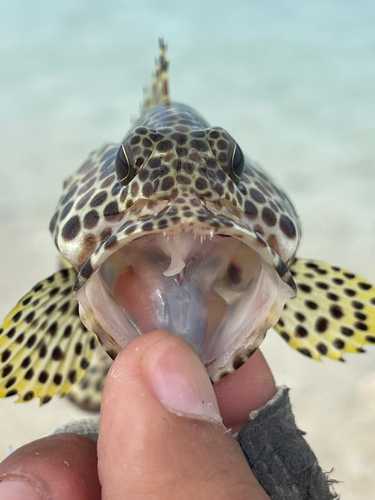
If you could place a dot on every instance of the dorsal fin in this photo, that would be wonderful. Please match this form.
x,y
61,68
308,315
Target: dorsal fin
x,y
158,93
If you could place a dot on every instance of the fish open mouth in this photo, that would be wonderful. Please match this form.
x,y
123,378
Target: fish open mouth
x,y
214,289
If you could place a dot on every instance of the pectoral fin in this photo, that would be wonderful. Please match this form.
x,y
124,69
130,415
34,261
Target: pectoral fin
x,y
333,312
44,347
87,394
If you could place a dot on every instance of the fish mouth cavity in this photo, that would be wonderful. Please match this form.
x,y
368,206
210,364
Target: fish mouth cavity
x,y
214,290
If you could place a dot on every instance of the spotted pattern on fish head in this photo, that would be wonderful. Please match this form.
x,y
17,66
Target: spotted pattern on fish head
x,y
178,164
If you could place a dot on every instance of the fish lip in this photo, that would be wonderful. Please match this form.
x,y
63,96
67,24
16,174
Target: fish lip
x,y
212,225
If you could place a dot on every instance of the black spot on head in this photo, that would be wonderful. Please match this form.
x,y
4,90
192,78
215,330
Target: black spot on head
x,y
147,226
257,196
322,285
87,269
268,216
57,379
99,199
66,210
304,287
167,183
199,145
91,219
69,194
287,227
201,184
164,146
111,209
71,228
250,210
53,222
350,292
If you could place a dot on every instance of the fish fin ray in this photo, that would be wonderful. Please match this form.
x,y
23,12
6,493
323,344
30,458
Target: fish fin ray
x,y
332,314
87,394
44,347
159,91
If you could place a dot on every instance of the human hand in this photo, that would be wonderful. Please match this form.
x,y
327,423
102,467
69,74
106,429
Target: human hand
x,y
160,433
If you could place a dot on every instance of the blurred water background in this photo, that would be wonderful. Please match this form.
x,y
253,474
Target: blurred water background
x,y
292,81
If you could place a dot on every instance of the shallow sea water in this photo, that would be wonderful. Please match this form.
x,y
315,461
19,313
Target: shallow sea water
x,y
292,82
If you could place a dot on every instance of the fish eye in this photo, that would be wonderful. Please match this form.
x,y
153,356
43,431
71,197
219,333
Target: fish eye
x,y
238,163
123,167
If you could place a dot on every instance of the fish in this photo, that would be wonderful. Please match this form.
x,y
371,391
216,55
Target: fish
x,y
174,228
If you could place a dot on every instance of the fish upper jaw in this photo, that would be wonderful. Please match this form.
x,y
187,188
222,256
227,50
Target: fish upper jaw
x,y
207,277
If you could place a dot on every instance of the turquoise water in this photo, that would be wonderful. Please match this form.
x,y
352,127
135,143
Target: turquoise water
x,y
292,81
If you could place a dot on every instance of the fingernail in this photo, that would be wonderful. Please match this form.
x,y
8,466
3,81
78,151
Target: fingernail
x,y
17,488
179,380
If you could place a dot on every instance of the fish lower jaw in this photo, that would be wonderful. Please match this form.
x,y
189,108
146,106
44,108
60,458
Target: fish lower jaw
x,y
212,290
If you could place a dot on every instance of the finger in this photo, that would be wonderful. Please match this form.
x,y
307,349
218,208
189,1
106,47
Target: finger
x,y
245,390
160,432
58,467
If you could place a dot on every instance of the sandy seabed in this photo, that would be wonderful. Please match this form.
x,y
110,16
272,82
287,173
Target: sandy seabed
x,y
294,86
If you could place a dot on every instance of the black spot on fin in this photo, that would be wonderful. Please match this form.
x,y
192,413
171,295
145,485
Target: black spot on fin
x,y
332,314
87,394
44,347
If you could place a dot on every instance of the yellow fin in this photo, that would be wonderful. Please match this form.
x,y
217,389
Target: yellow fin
x,y
333,312
159,92
87,394
44,347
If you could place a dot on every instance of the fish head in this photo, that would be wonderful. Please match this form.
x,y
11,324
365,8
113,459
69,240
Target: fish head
x,y
175,229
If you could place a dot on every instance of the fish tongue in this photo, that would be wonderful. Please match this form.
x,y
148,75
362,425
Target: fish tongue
x,y
177,264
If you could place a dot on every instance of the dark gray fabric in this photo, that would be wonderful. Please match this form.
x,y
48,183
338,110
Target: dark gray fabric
x,y
276,452
279,456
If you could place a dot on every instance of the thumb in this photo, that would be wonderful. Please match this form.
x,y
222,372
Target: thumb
x,y
161,435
